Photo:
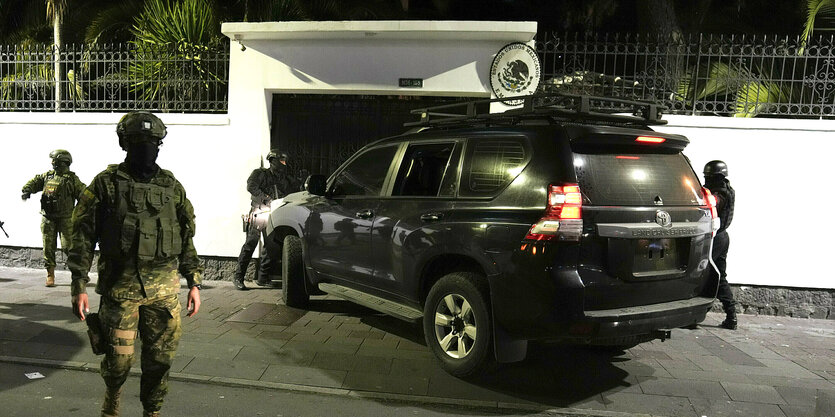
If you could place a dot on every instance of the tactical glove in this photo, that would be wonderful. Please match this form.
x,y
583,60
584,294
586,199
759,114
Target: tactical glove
x,y
25,196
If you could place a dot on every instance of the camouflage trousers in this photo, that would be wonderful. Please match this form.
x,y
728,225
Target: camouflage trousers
x,y
157,321
51,228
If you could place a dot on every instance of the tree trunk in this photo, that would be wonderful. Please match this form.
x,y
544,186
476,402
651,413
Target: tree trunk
x,y
56,32
659,17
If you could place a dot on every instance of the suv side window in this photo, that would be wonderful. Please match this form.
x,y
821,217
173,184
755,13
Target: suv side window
x,y
364,176
490,164
423,169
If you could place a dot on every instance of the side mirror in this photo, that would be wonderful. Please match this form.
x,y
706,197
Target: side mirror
x,y
316,184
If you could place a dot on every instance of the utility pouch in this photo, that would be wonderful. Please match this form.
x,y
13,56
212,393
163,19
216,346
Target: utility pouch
x,y
50,197
245,219
96,334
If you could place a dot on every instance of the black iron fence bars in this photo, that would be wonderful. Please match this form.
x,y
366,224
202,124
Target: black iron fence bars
x,y
118,77
734,75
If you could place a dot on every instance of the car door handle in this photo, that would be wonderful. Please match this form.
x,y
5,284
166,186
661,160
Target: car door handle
x,y
365,214
431,217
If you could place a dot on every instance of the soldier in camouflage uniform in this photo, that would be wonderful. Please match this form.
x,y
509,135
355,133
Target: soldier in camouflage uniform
x,y
144,224
264,186
61,188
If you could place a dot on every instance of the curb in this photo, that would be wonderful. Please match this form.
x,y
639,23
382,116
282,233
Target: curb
x,y
492,406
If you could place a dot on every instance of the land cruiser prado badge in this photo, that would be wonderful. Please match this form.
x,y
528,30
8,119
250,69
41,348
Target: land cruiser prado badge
x,y
515,72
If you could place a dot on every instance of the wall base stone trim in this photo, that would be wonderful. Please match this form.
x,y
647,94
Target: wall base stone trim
x,y
810,303
216,268
757,300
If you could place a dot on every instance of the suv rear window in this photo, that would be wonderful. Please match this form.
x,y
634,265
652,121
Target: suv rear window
x,y
490,164
637,179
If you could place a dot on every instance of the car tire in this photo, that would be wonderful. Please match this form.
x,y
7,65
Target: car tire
x,y
456,323
292,274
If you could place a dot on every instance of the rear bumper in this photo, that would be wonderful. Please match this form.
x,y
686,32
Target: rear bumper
x,y
558,314
634,324
644,320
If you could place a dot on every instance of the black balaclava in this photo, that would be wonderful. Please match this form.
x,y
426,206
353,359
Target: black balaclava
x,y
276,166
60,167
142,159
714,180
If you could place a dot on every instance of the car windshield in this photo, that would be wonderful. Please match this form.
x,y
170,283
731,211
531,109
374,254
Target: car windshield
x,y
637,179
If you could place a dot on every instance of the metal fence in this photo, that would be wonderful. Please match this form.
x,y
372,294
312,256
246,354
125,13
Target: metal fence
x,y
743,76
119,77
701,74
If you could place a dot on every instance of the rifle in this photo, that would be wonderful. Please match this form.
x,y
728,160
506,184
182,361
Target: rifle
x,y
4,230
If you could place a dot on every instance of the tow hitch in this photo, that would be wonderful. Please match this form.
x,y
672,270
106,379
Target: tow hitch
x,y
662,334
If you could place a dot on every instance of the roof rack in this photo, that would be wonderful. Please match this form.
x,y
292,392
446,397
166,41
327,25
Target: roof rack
x,y
552,106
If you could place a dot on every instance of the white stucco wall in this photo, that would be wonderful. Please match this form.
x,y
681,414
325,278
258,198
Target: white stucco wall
x,y
781,233
210,161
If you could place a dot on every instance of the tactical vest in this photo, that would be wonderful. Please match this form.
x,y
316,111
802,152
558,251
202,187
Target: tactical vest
x,y
142,220
57,200
726,214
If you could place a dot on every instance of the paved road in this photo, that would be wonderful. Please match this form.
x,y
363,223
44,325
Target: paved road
x,y
52,395
771,366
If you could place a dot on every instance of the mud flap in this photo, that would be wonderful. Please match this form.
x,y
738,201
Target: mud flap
x,y
507,348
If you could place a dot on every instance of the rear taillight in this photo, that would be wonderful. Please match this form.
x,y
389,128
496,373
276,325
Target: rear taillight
x,y
711,204
563,215
649,139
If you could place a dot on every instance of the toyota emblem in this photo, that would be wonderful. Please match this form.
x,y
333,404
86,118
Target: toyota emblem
x,y
663,219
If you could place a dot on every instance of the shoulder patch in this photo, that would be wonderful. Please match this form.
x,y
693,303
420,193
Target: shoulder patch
x,y
87,194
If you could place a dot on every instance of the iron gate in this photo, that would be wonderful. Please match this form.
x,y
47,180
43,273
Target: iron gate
x,y
319,132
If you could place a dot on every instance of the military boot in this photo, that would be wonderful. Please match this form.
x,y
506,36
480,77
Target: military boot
x,y
110,406
264,280
147,413
50,276
238,280
730,321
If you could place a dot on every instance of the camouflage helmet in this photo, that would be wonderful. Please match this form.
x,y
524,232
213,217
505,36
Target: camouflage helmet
x,y
61,155
275,153
140,123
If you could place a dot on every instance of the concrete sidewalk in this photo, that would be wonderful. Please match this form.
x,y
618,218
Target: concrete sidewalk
x,y
771,366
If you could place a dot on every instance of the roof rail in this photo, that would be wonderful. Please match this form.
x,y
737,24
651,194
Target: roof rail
x,y
552,106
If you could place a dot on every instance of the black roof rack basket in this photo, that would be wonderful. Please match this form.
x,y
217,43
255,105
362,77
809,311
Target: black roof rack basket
x,y
553,106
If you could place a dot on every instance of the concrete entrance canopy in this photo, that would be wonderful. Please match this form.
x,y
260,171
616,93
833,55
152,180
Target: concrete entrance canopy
x,y
452,58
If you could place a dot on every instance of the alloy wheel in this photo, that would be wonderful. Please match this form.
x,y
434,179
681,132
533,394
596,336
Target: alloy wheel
x,y
455,326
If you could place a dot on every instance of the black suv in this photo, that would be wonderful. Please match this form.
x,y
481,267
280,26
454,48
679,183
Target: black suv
x,y
562,221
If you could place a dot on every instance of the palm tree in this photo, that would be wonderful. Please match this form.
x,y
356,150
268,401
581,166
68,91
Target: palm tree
x,y
171,39
55,12
818,10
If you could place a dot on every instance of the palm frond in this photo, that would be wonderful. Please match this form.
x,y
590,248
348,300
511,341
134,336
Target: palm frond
x,y
27,79
114,22
716,80
756,96
55,7
171,40
815,9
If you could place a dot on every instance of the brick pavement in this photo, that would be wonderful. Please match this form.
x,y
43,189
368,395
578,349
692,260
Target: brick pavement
x,y
771,366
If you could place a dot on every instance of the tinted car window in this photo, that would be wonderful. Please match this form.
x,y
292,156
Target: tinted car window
x,y
423,169
637,179
365,174
490,164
